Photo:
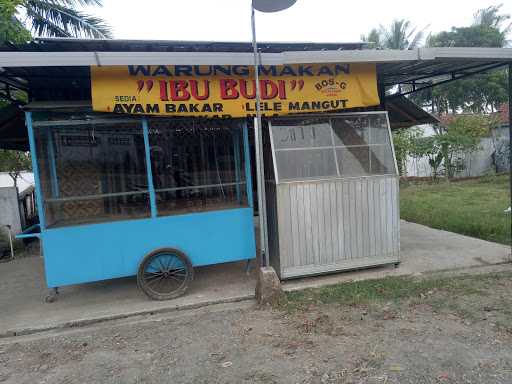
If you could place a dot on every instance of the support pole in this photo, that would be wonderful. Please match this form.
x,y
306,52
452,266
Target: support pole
x,y
258,139
510,141
149,171
53,165
35,170
247,163
236,152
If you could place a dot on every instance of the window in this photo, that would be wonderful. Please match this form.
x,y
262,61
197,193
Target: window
x,y
92,172
197,166
348,145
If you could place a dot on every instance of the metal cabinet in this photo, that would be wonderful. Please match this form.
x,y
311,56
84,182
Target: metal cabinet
x,y
332,198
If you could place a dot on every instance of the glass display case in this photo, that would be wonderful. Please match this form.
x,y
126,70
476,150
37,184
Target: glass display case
x,y
332,196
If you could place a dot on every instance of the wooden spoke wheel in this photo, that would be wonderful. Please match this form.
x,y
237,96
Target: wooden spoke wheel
x,y
165,274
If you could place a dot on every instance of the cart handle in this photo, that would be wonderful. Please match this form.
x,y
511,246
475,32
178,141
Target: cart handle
x,y
30,232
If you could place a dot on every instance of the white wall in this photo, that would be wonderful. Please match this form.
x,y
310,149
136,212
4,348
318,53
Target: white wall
x,y
25,180
477,163
9,211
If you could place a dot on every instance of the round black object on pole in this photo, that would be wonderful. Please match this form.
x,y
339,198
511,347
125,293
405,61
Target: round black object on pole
x,y
272,5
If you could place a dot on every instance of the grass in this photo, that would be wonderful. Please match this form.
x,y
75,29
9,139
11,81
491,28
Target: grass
x,y
470,207
382,290
463,295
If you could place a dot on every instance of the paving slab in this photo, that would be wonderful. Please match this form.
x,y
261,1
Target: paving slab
x,y
23,289
22,285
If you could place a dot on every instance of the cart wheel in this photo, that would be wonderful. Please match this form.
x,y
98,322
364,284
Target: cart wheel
x,y
165,274
50,299
52,295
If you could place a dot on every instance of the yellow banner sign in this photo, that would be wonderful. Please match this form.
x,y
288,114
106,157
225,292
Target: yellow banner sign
x,y
229,91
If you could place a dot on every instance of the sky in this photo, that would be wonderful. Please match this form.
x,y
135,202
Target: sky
x,y
307,20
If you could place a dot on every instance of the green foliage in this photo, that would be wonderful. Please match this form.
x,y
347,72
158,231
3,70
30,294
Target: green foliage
x,y
488,30
399,35
53,18
471,207
491,17
479,93
404,141
473,36
14,162
429,147
389,289
460,135
373,39
11,29
60,18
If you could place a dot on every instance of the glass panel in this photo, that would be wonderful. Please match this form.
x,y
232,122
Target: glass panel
x,y
351,130
201,199
303,164
355,136
304,135
382,160
85,160
353,161
186,153
379,133
63,212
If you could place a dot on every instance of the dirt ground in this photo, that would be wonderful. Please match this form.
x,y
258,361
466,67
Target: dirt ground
x,y
460,332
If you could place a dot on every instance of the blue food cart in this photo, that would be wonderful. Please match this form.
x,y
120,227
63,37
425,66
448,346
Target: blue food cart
x,y
151,197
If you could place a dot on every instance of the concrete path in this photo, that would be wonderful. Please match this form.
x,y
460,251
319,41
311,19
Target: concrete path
x,y
22,293
22,286
422,250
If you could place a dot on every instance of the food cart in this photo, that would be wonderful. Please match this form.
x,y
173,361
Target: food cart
x,y
151,197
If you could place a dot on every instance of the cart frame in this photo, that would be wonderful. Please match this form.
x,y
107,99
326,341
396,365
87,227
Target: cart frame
x,y
91,252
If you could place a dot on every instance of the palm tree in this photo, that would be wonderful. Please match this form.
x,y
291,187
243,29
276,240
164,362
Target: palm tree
x,y
60,18
399,35
491,17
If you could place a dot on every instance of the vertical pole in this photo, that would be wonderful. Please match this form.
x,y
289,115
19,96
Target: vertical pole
x,y
151,187
247,162
53,166
10,241
236,149
510,141
35,169
258,139
261,195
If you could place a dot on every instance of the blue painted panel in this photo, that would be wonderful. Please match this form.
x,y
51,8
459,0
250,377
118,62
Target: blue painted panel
x,y
151,187
35,169
103,251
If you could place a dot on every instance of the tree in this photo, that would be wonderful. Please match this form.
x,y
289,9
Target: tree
x,y
404,141
58,18
480,93
461,136
14,162
491,17
430,148
456,137
11,29
373,38
399,35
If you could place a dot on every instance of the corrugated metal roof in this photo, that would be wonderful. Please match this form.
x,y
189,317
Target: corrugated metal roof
x,y
65,62
58,69
13,134
110,45
403,113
